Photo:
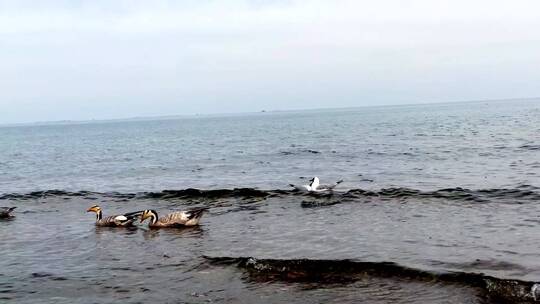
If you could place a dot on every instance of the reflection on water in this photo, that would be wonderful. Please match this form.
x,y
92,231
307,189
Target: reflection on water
x,y
120,230
173,233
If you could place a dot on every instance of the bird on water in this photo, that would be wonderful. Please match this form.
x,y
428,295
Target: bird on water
x,y
315,186
177,219
120,220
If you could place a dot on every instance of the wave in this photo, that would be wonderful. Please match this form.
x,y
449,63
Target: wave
x,y
512,195
165,194
300,151
346,271
483,195
530,147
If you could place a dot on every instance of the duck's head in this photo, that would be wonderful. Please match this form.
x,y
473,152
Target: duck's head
x,y
94,208
149,214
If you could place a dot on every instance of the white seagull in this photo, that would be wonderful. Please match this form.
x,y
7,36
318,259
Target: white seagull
x,y
315,186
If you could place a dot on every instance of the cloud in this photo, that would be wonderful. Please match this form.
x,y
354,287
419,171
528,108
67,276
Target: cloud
x,y
121,58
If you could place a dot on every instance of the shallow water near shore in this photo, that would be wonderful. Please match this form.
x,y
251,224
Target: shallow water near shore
x,y
433,190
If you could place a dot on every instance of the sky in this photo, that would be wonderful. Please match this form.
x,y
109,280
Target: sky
x,y
101,59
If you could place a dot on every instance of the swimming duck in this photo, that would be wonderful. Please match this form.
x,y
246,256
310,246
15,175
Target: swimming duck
x,y
121,220
5,212
314,185
178,219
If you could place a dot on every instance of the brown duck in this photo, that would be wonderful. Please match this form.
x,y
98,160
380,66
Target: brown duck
x,y
177,219
121,220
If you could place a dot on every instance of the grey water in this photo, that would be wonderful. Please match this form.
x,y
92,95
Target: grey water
x,y
440,188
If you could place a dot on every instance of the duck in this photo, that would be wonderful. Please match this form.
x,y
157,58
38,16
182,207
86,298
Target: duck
x,y
315,186
5,212
120,220
179,219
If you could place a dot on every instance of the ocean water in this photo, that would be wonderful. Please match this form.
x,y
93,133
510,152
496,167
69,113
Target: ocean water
x,y
438,204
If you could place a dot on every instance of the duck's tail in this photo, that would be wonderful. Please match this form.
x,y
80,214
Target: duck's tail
x,y
131,216
196,213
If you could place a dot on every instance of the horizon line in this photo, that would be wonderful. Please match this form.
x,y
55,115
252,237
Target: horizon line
x,y
177,116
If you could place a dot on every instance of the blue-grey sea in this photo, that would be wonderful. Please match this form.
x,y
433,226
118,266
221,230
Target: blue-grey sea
x,y
439,204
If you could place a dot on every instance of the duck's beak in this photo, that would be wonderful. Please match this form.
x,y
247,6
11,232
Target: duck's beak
x,y
91,209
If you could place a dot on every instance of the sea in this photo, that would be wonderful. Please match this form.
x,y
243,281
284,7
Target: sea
x,y
439,203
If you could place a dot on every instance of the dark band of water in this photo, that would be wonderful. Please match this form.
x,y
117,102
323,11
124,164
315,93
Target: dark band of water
x,y
524,193
345,271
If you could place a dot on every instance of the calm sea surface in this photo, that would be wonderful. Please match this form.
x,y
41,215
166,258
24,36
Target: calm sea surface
x,y
437,190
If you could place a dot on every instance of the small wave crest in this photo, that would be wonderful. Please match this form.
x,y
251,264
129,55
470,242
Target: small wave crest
x,y
344,271
513,195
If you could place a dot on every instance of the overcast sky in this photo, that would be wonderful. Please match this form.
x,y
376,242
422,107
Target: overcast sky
x,y
116,59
